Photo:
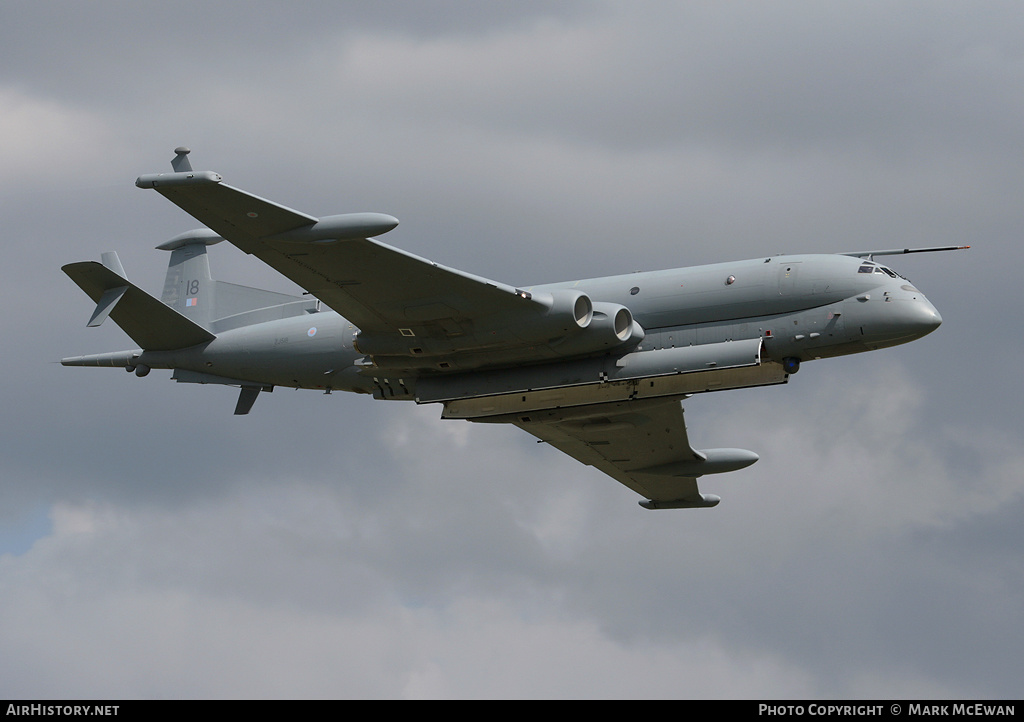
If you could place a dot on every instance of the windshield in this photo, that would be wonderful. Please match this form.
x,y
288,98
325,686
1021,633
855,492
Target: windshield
x,y
872,268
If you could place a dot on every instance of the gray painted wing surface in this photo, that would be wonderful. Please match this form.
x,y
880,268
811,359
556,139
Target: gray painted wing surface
x,y
623,439
234,214
379,288
383,289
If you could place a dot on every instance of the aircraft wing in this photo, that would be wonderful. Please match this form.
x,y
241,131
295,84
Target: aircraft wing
x,y
381,289
641,443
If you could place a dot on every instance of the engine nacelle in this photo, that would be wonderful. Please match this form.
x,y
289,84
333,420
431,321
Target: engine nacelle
x,y
614,323
558,314
566,313
612,327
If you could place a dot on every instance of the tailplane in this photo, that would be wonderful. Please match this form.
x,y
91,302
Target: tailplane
x,y
150,323
193,307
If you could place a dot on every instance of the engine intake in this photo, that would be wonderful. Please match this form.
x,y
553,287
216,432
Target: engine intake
x,y
566,312
565,321
612,327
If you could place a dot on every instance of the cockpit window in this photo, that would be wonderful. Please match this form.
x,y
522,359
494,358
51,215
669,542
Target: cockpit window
x,y
872,268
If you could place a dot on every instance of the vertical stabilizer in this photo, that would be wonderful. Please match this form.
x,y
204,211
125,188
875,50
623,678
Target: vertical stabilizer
x,y
189,287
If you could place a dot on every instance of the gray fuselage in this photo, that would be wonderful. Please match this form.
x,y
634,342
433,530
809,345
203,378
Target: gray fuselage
x,y
801,307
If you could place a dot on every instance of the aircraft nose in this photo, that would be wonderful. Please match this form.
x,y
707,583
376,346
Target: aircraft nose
x,y
930,316
896,320
920,317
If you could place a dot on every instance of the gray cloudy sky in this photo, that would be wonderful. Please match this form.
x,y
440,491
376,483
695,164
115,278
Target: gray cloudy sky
x,y
152,545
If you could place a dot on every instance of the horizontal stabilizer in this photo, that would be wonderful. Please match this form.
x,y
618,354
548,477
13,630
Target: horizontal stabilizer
x,y
150,323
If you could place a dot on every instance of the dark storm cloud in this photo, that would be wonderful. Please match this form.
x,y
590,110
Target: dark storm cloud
x,y
82,52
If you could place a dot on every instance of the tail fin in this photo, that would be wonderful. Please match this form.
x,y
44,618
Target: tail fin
x,y
190,289
188,286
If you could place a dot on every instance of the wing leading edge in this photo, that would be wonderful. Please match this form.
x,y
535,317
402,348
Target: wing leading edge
x,y
642,444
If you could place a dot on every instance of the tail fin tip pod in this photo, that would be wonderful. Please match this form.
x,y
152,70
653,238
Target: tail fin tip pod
x,y
198,235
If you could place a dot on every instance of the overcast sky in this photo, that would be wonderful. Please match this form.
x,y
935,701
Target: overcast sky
x,y
153,545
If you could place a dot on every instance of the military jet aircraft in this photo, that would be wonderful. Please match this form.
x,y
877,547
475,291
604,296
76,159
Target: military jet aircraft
x,y
597,368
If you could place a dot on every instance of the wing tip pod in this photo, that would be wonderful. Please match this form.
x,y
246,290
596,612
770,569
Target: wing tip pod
x,y
185,178
702,501
182,174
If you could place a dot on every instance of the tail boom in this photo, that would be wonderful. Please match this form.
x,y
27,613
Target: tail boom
x,y
122,359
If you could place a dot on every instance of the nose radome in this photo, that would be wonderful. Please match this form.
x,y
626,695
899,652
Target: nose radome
x,y
926,317
896,320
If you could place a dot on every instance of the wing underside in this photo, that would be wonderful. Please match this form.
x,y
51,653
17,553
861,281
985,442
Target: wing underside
x,y
642,444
